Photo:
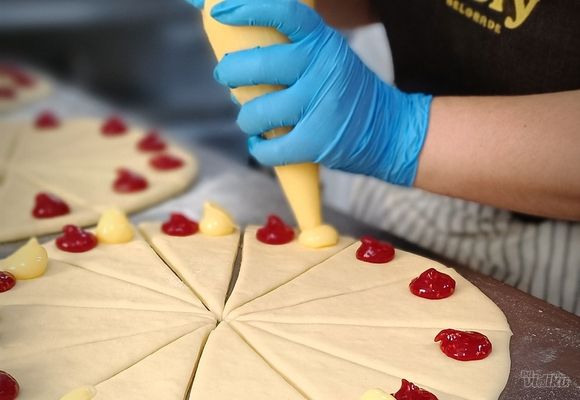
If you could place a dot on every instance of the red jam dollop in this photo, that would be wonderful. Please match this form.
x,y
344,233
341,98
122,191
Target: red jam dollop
x,y
410,391
375,251
275,231
179,225
9,388
22,78
433,285
152,142
47,120
7,93
76,240
7,282
48,206
464,345
165,162
114,126
129,182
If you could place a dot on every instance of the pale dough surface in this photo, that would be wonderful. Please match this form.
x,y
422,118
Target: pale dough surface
x,y
24,95
209,273
52,374
165,374
78,164
265,267
134,262
305,324
230,369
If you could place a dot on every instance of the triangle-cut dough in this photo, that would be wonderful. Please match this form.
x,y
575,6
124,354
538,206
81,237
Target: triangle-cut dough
x,y
409,353
24,94
265,267
37,328
52,374
67,285
204,263
393,305
134,262
318,374
79,140
230,369
79,164
17,200
342,273
94,186
165,374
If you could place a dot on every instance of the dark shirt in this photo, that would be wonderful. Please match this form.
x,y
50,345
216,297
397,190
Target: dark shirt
x,y
483,47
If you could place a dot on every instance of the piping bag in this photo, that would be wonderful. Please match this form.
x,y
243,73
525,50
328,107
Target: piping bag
x,y
300,182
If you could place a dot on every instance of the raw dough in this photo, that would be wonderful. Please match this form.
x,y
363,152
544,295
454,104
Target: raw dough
x,y
78,164
208,274
300,324
23,94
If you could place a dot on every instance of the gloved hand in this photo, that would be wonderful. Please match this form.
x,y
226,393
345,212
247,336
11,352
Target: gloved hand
x,y
343,115
196,3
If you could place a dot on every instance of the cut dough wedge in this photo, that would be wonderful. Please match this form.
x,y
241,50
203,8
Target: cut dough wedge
x,y
52,374
134,262
79,164
408,353
318,374
17,200
36,328
209,273
164,374
265,267
67,285
393,305
230,369
340,274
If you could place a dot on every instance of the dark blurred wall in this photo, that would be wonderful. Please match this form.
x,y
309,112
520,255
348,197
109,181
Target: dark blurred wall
x,y
150,55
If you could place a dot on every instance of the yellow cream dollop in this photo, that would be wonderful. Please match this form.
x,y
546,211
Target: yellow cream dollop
x,y
28,262
376,394
82,393
216,221
320,236
114,227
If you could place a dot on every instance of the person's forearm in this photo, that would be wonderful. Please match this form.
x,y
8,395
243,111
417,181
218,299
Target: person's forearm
x,y
520,153
346,14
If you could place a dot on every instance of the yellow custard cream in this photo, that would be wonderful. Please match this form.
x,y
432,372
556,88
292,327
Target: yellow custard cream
x,y
28,262
300,182
114,227
82,393
216,221
319,236
376,394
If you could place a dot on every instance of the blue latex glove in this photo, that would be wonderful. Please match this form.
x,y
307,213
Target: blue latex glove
x,y
343,115
196,3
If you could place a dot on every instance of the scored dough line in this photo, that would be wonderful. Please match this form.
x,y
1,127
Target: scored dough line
x,y
292,384
236,267
100,341
293,278
329,296
390,373
167,264
156,350
196,365
249,321
193,305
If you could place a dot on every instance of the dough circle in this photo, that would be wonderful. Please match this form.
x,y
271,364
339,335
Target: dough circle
x,y
78,164
300,323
